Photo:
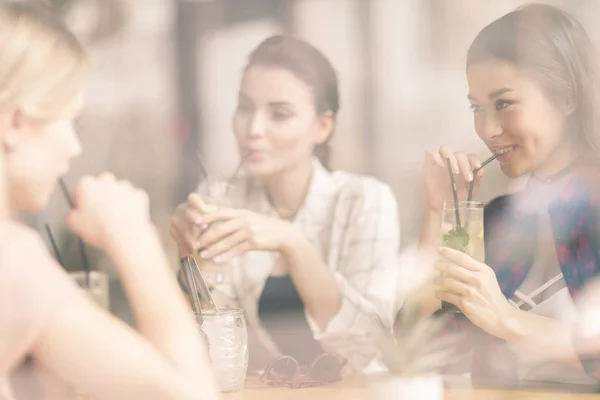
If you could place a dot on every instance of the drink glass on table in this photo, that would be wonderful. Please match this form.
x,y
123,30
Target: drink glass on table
x,y
465,235
227,336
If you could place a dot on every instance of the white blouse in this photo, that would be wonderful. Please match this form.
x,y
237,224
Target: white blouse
x,y
352,222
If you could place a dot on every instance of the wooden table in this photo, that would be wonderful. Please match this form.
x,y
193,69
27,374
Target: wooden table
x,y
254,390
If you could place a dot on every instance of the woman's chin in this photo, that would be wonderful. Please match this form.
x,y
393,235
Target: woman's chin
x,y
513,170
31,203
258,168
35,206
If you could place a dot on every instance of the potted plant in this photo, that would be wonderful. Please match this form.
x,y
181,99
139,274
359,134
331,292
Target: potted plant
x,y
415,354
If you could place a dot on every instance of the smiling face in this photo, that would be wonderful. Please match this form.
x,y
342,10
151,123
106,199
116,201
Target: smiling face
x,y
276,123
514,116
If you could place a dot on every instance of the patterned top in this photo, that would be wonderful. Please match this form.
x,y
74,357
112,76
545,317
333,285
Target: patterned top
x,y
511,243
352,222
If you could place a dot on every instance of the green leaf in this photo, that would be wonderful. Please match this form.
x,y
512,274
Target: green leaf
x,y
457,239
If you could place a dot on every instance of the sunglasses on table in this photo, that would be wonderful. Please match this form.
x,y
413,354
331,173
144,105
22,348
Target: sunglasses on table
x,y
285,371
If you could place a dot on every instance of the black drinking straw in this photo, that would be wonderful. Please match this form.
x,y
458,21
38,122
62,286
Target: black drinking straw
x,y
448,307
475,171
454,191
84,258
66,193
239,168
201,165
54,246
231,180
233,177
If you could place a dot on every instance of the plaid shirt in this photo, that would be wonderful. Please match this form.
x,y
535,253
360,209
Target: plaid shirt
x,y
510,237
352,222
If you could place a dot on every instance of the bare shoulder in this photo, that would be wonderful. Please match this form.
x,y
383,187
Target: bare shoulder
x,y
24,257
29,275
16,237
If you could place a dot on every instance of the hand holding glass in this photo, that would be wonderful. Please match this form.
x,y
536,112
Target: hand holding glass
x,y
466,237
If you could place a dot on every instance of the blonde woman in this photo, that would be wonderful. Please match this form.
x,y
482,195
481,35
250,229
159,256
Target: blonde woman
x,y
45,321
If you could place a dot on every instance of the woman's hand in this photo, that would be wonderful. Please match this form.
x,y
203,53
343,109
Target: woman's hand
x,y
225,233
472,286
107,209
230,232
186,225
437,180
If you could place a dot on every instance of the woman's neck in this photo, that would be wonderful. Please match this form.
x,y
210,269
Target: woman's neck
x,y
288,189
560,160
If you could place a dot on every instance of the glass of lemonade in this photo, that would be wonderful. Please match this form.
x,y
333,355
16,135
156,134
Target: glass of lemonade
x,y
218,195
98,289
468,237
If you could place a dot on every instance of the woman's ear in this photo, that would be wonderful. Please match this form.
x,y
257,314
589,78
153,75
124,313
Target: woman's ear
x,y
11,124
568,105
326,125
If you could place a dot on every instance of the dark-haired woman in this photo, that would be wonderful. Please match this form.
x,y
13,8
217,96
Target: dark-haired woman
x,y
311,253
534,88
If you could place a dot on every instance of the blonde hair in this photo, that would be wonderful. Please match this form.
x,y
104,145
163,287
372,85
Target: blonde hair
x,y
43,67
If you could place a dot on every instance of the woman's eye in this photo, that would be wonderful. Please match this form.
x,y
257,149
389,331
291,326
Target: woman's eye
x,y
501,104
242,107
474,107
280,115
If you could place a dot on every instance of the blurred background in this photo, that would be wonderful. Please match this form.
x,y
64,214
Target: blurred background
x,y
166,74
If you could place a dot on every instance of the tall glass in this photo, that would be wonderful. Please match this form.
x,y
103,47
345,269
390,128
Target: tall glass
x,y
227,338
219,195
98,289
468,237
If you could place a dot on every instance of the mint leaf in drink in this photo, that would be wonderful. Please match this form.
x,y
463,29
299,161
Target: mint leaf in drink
x,y
457,239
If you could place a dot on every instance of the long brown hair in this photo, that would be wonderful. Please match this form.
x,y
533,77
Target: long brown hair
x,y
555,49
308,64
